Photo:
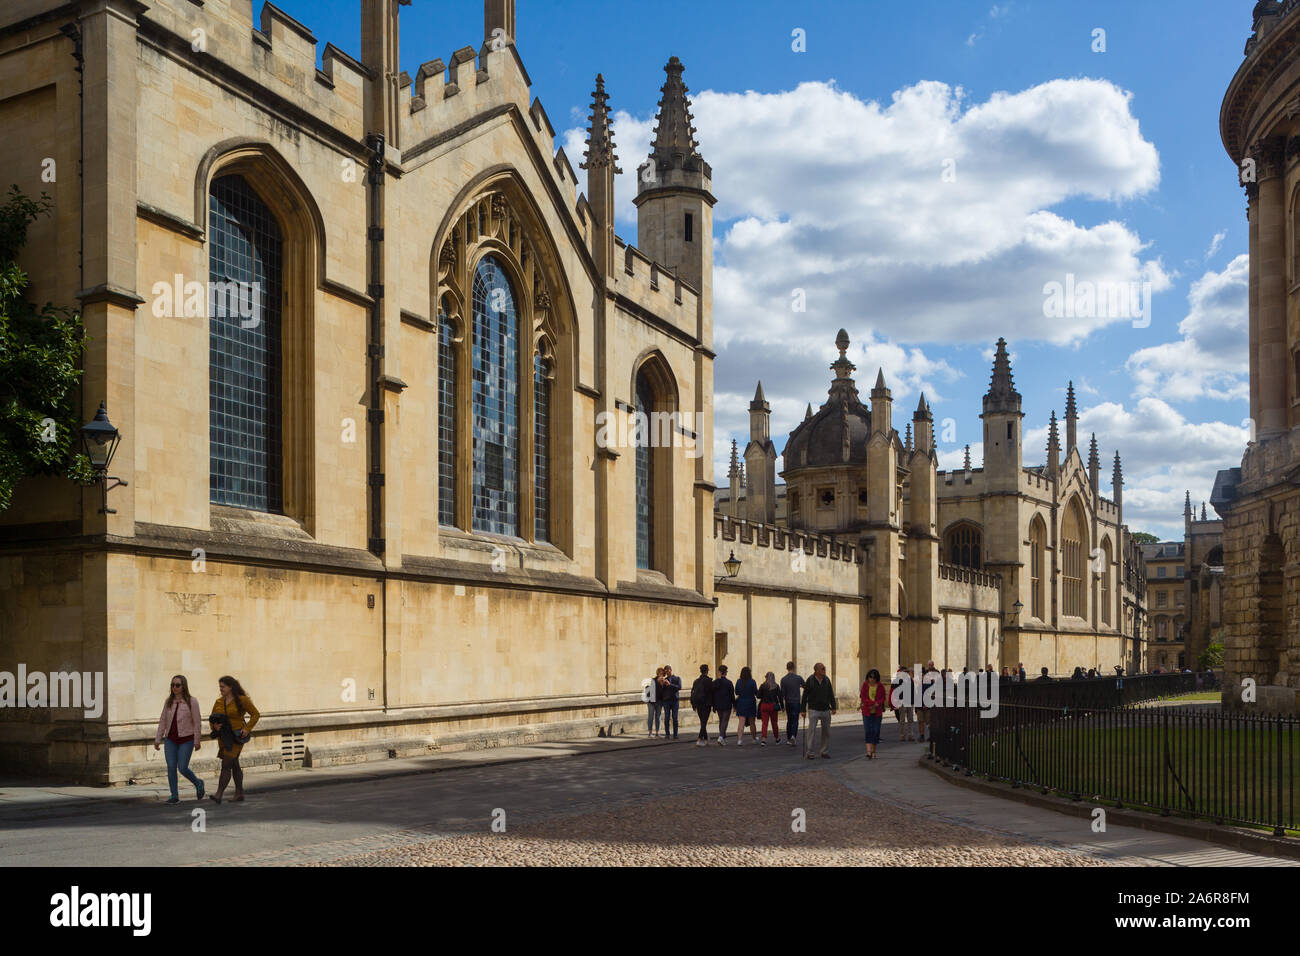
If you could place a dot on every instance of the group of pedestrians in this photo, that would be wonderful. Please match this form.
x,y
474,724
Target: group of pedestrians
x,y
757,706
660,695
180,734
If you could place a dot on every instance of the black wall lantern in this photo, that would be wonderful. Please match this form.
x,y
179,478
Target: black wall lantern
x,y
1015,613
732,564
99,440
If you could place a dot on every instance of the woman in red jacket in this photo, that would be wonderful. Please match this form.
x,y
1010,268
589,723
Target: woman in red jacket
x,y
875,698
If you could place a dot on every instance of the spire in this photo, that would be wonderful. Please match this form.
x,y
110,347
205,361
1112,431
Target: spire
x,y
1053,447
1071,420
1094,464
600,132
759,403
923,410
1117,481
907,443
966,465
674,143
880,379
882,405
1002,395
1203,516
807,412
735,460
1187,506
759,419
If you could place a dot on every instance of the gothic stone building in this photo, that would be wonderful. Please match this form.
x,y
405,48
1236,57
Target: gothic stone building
x,y
1260,501
991,565
377,495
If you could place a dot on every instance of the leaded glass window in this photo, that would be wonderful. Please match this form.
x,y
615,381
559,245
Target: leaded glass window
x,y
246,462
495,389
446,421
965,547
541,450
644,475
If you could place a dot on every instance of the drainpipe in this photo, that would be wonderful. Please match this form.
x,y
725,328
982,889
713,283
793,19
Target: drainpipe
x,y
70,31
374,345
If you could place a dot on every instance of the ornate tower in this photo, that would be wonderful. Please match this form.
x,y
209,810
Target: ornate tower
x,y
1002,422
760,462
674,201
921,624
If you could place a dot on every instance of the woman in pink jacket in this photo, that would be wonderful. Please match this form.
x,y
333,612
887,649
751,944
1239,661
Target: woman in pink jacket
x,y
180,731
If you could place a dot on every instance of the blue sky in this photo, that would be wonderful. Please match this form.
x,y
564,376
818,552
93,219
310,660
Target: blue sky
x,y
828,166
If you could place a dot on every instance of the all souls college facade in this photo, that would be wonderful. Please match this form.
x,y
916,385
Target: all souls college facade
x,y
375,487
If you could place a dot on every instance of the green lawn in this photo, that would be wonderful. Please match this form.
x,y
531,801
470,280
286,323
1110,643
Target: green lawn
x,y
1232,774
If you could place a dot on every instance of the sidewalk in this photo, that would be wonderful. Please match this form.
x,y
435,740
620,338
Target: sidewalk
x,y
34,797
896,777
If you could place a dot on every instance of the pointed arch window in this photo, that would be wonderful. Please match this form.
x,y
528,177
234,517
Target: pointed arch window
x,y
245,254
964,546
1074,549
1038,568
645,473
1105,581
541,448
448,382
495,394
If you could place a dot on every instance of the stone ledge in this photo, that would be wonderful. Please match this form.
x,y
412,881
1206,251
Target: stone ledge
x,y
1236,838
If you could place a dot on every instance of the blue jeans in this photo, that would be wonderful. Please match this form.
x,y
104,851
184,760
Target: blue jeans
x,y
178,758
871,726
670,713
791,719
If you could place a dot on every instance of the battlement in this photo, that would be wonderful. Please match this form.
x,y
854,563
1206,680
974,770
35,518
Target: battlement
x,y
727,528
654,287
277,52
961,575
443,96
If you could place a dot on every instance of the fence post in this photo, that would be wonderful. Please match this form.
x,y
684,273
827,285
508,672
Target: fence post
x,y
1280,828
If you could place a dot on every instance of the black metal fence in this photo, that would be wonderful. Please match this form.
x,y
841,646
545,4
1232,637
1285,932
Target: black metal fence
x,y
1099,692
1229,768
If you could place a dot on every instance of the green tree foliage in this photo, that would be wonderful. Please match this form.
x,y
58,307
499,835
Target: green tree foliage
x,y
1210,658
40,359
1143,537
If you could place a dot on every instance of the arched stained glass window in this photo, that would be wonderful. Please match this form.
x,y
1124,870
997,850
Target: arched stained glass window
x,y
447,383
645,473
245,416
495,390
541,449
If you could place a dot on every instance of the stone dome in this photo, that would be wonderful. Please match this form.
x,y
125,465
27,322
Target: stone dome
x,y
838,433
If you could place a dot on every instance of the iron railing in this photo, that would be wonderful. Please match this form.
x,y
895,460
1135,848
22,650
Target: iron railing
x,y
1225,767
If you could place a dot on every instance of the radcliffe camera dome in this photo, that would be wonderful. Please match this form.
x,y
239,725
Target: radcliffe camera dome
x,y
837,434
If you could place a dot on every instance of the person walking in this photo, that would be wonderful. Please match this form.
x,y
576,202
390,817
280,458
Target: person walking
x,y
702,703
819,704
1020,669
724,699
183,725
746,706
233,717
672,688
791,692
1043,676
875,698
769,705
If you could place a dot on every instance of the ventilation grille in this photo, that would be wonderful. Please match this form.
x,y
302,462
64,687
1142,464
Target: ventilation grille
x,y
293,751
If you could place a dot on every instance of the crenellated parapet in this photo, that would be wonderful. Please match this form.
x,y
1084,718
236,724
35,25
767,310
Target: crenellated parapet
x,y
652,286
727,528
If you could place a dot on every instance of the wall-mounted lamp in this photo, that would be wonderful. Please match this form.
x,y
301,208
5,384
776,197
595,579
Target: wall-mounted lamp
x,y
99,440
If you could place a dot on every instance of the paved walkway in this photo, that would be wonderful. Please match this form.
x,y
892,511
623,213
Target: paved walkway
x,y
314,816
896,777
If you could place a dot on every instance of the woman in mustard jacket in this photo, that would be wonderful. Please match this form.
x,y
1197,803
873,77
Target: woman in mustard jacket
x,y
228,721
